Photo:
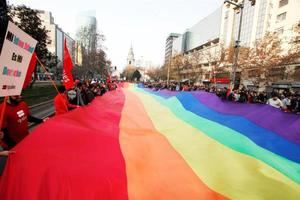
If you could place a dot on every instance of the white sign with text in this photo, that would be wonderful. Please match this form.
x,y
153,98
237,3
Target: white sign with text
x,y
17,51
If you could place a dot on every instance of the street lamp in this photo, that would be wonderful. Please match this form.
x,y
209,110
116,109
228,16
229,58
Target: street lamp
x,y
239,6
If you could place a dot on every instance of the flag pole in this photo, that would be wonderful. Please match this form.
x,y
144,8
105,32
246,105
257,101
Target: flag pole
x,y
3,111
2,118
53,83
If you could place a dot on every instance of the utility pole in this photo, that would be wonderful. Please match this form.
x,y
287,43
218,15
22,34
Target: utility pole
x,y
237,45
239,6
168,75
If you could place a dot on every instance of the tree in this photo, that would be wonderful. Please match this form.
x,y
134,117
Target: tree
x,y
94,60
3,21
128,72
154,73
260,59
270,58
136,76
194,64
293,54
163,72
28,20
176,65
209,60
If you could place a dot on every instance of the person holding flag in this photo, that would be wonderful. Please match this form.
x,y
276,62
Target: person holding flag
x,y
14,125
61,103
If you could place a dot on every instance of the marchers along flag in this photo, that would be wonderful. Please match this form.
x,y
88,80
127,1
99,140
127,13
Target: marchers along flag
x,y
30,70
68,66
138,144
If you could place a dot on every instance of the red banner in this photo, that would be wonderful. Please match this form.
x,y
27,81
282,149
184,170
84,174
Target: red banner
x,y
68,66
30,70
220,80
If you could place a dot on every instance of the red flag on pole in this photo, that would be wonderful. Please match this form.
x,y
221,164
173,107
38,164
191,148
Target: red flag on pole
x,y
30,70
67,71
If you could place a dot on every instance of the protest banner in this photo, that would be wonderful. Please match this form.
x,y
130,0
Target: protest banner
x,y
16,54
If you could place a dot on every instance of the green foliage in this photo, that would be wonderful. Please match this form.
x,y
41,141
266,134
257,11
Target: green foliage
x,y
128,72
29,21
3,21
94,59
136,75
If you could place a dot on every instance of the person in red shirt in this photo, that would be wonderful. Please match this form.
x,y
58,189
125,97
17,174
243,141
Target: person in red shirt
x,y
3,153
15,121
61,103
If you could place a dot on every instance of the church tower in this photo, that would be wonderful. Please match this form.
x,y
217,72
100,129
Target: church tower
x,y
130,58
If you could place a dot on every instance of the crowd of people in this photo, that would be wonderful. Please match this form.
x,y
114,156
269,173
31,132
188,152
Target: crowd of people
x,y
17,115
286,100
81,94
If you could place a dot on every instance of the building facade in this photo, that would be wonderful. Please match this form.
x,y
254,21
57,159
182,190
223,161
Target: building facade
x,y
56,36
259,18
169,46
56,45
199,47
265,16
86,33
78,53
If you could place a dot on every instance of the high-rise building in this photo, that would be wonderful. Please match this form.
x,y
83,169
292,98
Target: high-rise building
x,y
169,46
86,32
78,53
258,19
48,21
285,16
56,36
265,16
59,41
200,39
198,34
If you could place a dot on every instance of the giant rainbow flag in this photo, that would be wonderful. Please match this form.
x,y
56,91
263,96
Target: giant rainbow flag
x,y
137,144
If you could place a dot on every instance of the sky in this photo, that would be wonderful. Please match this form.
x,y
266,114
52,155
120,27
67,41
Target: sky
x,y
143,23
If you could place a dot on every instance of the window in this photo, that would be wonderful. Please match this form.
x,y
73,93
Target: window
x,y
283,3
279,30
226,14
281,17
